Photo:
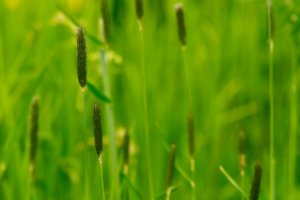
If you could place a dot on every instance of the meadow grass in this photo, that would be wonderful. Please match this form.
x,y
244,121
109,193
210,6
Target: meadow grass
x,y
236,82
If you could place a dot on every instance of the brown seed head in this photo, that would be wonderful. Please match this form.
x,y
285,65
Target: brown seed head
x,y
191,134
97,129
34,129
139,9
81,57
106,20
172,157
255,187
126,144
180,23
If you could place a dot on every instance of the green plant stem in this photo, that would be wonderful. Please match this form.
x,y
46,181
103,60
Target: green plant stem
x,y
145,107
101,176
293,127
190,108
271,99
187,78
85,142
110,125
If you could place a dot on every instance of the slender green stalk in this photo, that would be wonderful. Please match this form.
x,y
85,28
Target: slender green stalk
x,y
101,177
242,155
293,127
86,153
145,107
230,179
271,97
187,78
110,125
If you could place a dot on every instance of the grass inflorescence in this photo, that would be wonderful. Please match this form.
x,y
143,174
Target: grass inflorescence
x,y
81,57
256,181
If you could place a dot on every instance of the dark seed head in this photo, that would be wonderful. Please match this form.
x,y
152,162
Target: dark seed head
x,y
180,23
126,142
139,9
97,129
242,145
34,128
172,157
191,134
271,21
106,20
255,187
242,148
81,57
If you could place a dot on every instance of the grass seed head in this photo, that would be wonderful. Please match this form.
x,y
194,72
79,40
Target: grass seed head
x,y
97,129
139,9
106,21
172,157
81,57
242,149
126,144
180,23
191,134
34,129
255,187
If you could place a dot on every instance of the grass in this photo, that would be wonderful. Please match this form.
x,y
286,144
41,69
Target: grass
x,y
272,161
227,57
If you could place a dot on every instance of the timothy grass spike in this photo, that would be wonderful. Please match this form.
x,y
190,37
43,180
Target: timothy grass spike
x,y
106,21
180,23
97,129
255,187
81,57
126,145
191,139
139,9
242,153
170,173
34,129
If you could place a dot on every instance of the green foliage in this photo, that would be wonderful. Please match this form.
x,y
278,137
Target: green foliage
x,y
227,58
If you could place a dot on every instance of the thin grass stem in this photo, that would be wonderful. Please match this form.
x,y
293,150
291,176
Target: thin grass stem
x,y
101,176
271,97
110,124
293,127
145,108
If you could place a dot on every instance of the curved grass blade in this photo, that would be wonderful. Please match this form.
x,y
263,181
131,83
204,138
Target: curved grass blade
x,y
97,93
76,23
230,179
173,188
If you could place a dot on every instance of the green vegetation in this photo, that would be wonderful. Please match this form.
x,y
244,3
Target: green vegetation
x,y
192,95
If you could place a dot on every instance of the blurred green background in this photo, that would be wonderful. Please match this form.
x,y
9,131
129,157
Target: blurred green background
x,y
227,54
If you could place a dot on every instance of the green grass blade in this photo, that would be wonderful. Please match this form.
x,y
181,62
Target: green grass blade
x,y
230,179
97,93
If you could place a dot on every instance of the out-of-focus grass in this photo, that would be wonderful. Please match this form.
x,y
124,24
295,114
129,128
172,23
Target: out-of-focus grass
x,y
227,53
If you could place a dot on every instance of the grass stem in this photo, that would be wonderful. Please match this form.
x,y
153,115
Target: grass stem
x,y
110,124
293,126
101,177
271,97
145,108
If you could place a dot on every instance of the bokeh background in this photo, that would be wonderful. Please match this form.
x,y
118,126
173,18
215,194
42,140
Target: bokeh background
x,y
227,54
